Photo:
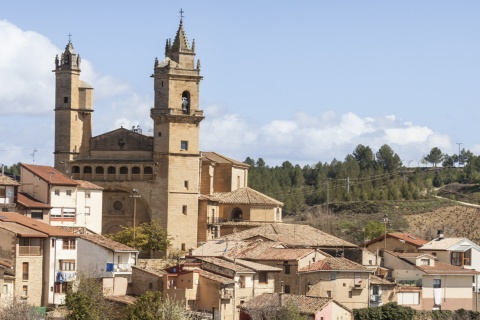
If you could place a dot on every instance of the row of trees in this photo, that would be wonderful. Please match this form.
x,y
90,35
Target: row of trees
x,y
363,175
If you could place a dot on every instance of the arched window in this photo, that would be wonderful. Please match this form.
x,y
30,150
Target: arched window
x,y
99,170
186,102
123,170
87,169
75,169
147,170
237,214
111,170
136,170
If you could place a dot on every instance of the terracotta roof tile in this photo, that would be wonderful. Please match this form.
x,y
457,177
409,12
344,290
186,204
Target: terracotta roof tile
x,y
28,201
83,184
334,264
155,271
245,195
34,224
215,277
380,281
407,237
256,266
441,244
5,264
107,243
306,305
218,158
292,235
50,175
225,264
277,254
445,268
22,231
7,181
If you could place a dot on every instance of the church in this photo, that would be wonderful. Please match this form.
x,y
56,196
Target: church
x,y
196,196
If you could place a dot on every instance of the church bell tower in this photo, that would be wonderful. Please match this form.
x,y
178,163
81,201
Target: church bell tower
x,y
73,109
177,118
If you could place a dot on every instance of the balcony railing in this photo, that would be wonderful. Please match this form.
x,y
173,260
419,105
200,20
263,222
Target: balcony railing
x,y
29,250
217,220
120,267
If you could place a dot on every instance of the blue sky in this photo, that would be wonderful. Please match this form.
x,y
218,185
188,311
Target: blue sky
x,y
299,81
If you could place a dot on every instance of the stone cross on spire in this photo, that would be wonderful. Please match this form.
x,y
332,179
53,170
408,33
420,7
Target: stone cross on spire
x,y
181,14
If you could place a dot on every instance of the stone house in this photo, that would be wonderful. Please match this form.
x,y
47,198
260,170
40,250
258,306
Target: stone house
x,y
382,291
315,308
8,193
343,280
7,283
44,258
108,260
427,284
74,203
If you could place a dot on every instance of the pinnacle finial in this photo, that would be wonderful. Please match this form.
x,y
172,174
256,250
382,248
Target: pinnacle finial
x,y
181,15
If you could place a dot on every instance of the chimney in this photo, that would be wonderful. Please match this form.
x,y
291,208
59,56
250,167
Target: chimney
x,y
440,235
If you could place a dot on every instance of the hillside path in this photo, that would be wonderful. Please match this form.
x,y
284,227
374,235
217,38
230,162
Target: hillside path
x,y
461,202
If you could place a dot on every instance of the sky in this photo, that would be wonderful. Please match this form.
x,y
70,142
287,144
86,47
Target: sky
x,y
303,81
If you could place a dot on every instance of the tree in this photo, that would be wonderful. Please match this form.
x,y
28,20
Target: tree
x,y
448,161
364,156
149,236
150,306
387,159
86,301
434,157
374,229
18,309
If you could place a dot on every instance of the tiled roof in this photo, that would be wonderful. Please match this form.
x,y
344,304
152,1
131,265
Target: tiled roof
x,y
34,224
277,254
107,243
445,268
5,264
28,201
245,195
226,264
7,181
50,175
407,255
443,244
407,237
292,235
155,271
334,264
216,248
380,281
83,184
215,277
306,305
122,299
218,158
256,266
22,231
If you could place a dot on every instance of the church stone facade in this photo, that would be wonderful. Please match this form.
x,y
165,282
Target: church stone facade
x,y
148,177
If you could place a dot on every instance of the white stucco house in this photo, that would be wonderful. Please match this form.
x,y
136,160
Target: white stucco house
x,y
108,260
74,203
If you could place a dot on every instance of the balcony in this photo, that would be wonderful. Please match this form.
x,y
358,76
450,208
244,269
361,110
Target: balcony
x,y
119,268
29,251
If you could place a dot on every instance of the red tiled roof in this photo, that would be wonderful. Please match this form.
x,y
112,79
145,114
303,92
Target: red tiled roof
x,y
334,264
407,237
83,184
34,224
218,158
215,277
107,243
225,264
28,201
50,175
245,195
277,254
5,264
445,268
7,181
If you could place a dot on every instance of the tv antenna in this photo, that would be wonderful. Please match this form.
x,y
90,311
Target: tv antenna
x,y
33,155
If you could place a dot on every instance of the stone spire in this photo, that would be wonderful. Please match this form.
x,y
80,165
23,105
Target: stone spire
x,y
69,59
180,45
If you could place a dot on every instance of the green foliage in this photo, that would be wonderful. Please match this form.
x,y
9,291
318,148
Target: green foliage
x,y
18,309
374,229
274,311
149,236
86,301
434,157
389,311
151,307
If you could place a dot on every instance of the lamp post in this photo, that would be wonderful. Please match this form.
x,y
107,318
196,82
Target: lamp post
x,y
385,221
135,195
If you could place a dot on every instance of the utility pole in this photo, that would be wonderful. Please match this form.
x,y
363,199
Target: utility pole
x,y
459,157
135,195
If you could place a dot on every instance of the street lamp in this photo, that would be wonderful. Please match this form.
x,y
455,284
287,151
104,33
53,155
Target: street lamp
x,y
385,221
135,195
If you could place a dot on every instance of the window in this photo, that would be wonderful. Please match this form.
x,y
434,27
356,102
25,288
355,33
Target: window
x,y
375,290
87,194
159,134
147,170
184,209
437,283
238,182
117,205
183,246
37,215
60,287
56,213
65,99
57,192
329,294
87,211
111,170
25,271
24,291
68,244
425,262
287,288
185,184
67,265
123,170
136,170
467,257
53,243
184,145
287,267
87,169
262,277
99,170
69,213
3,192
69,193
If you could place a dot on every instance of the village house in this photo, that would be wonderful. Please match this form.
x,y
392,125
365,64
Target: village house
x,y
427,284
382,291
44,258
315,308
338,278
8,193
74,204
111,261
7,283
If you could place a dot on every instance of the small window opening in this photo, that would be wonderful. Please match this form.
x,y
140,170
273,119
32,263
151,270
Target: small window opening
x,y
65,99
